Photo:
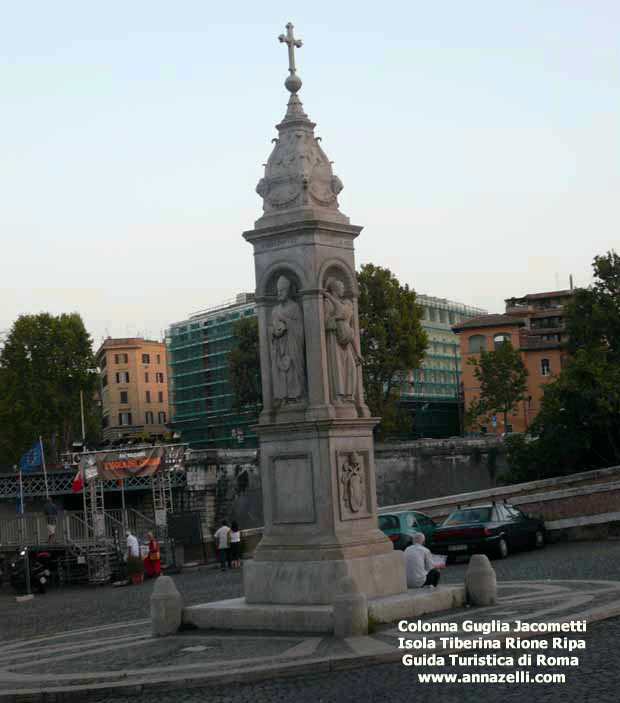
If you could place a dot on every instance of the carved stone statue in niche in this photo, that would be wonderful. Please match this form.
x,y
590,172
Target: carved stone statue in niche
x,y
343,355
287,347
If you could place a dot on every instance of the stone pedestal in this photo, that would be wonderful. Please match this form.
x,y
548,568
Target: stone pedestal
x,y
318,528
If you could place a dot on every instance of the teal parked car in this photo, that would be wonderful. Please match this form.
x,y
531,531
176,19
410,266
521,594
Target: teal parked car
x,y
399,526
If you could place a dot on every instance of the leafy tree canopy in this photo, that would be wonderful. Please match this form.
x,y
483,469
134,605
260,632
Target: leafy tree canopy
x,y
593,317
244,365
503,381
44,364
392,341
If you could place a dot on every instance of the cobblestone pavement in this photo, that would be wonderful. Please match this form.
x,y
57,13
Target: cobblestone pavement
x,y
105,631
79,607
595,679
86,606
126,654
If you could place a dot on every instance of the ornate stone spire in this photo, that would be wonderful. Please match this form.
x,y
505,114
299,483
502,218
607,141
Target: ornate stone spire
x,y
299,183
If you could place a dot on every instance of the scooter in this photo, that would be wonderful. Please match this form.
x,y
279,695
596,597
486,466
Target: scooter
x,y
39,573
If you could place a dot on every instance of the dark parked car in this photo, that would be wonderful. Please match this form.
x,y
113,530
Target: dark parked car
x,y
399,526
495,529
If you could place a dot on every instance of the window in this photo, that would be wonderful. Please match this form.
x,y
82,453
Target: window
x,y
161,416
160,397
124,397
124,418
104,380
149,417
477,343
146,359
121,358
148,396
158,359
545,367
106,421
103,362
122,377
159,377
146,376
388,522
464,517
502,338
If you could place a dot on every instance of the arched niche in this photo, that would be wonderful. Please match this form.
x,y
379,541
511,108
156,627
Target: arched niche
x,y
342,273
267,285
271,284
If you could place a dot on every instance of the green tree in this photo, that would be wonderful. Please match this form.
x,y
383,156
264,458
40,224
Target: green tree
x,y
503,382
593,317
44,364
244,365
578,425
392,342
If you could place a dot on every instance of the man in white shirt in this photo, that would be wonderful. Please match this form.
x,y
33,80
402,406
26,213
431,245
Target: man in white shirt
x,y
133,548
419,565
222,541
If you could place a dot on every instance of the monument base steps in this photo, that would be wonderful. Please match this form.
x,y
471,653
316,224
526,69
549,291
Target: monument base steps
x,y
237,614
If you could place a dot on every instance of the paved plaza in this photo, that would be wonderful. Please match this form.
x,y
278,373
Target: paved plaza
x,y
98,640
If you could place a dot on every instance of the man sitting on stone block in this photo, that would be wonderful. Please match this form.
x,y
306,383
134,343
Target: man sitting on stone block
x,y
419,564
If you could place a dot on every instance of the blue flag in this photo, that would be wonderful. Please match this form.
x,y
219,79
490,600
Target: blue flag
x,y
32,459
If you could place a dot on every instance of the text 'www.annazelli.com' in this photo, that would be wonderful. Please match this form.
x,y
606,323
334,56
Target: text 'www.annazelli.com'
x,y
515,677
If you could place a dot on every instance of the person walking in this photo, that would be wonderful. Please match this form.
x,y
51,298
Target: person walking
x,y
222,541
235,545
133,548
152,561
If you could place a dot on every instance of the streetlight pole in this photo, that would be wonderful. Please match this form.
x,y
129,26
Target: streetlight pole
x,y
82,416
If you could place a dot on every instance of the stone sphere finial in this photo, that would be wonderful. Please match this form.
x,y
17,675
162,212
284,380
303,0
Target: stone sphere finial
x,y
292,83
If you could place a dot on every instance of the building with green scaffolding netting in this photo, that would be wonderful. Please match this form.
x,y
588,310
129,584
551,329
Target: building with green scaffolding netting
x,y
433,392
202,401
201,397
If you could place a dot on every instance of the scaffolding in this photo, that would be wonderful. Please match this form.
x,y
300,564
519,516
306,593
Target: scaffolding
x,y
202,400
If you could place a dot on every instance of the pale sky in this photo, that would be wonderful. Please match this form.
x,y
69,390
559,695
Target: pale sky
x,y
478,143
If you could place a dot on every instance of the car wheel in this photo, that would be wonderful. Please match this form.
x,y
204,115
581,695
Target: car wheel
x,y
539,539
451,559
502,548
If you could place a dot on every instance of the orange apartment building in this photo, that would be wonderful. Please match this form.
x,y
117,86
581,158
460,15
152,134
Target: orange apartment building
x,y
532,323
134,388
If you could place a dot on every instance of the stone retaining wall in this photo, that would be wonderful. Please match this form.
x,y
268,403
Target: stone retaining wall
x,y
581,506
421,469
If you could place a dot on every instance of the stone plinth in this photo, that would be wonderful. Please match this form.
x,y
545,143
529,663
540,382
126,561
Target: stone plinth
x,y
314,534
237,614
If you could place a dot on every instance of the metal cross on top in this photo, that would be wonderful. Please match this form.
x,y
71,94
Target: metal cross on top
x,y
290,40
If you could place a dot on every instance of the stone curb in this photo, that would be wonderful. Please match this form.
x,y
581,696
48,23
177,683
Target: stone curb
x,y
249,674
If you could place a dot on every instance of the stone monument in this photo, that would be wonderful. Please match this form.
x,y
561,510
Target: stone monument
x,y
315,430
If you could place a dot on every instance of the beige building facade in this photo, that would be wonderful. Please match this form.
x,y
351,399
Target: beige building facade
x,y
134,388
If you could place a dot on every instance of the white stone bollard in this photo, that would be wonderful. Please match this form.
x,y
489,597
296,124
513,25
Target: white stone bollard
x,y
166,607
350,610
480,581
